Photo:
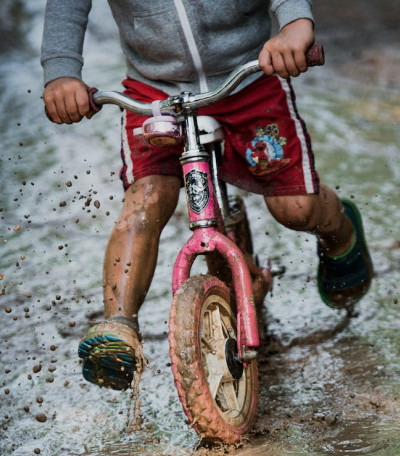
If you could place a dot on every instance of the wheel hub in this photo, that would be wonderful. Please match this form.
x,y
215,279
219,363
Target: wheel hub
x,y
233,362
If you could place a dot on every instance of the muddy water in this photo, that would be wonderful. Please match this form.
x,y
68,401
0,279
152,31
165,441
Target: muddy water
x,y
329,384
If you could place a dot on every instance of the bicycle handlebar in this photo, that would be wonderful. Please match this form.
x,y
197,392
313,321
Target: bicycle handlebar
x,y
314,56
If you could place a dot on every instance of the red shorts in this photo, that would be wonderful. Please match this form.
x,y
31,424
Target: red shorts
x,y
267,147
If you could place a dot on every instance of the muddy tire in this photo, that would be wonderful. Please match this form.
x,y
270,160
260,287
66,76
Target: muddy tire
x,y
218,394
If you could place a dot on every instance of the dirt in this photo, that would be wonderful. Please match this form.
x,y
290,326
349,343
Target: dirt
x,y
328,383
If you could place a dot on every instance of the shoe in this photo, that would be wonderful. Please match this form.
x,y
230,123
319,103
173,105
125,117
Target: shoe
x,y
108,353
344,279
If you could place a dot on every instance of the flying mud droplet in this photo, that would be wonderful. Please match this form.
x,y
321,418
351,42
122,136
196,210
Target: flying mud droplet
x,y
41,417
36,369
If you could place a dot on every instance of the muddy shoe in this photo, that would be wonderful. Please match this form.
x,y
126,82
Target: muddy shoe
x,y
344,279
108,353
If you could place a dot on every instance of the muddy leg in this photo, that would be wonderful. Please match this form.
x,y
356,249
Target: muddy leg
x,y
320,214
345,267
132,250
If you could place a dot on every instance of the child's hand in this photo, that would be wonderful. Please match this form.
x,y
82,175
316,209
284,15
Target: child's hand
x,y
66,100
284,54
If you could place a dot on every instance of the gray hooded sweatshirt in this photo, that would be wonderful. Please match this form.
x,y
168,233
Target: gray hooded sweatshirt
x,y
173,45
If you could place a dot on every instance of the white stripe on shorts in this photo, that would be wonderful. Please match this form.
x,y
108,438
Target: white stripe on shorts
x,y
308,178
126,151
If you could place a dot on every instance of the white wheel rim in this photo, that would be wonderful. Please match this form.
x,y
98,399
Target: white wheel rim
x,y
218,324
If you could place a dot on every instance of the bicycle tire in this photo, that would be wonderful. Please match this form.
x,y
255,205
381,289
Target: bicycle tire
x,y
201,319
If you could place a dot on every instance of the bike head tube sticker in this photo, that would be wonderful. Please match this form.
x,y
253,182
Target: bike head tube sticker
x,y
197,190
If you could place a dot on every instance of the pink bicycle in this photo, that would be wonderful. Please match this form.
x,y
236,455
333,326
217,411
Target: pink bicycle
x,y
213,325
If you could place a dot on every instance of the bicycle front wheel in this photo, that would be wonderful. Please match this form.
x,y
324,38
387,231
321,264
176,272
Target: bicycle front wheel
x,y
218,393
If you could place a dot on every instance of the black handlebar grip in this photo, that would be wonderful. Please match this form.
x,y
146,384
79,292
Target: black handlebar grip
x,y
315,55
93,106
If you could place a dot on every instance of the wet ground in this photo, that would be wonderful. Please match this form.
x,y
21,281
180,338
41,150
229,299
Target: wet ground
x,y
329,384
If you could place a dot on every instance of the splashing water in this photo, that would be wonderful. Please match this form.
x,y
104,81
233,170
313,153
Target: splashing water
x,y
328,384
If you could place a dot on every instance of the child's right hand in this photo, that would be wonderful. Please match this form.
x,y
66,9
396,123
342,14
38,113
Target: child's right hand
x,y
66,100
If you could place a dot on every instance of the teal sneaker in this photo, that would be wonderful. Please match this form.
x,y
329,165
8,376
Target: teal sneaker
x,y
108,353
344,279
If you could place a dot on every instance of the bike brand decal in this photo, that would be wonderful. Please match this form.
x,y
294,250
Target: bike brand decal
x,y
265,151
197,190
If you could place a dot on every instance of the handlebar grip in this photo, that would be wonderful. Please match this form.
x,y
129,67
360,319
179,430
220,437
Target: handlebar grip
x,y
315,55
94,107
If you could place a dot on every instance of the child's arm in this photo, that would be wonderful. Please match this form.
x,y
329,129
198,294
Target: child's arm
x,y
65,95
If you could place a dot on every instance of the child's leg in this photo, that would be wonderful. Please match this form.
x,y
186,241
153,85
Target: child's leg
x,y
111,349
321,214
345,267
133,246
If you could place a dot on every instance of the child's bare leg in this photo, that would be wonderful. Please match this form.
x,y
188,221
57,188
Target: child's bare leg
x,y
133,246
345,267
320,214
111,349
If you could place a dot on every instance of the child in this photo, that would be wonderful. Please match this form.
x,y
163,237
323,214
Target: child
x,y
175,45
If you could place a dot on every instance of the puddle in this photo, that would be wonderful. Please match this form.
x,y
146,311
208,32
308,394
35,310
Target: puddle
x,y
328,384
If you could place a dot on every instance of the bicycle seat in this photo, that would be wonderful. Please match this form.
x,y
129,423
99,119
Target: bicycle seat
x,y
210,129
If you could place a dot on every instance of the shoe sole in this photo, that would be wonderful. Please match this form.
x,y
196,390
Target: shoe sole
x,y
108,360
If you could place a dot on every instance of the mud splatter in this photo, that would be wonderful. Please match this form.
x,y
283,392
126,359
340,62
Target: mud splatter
x,y
135,424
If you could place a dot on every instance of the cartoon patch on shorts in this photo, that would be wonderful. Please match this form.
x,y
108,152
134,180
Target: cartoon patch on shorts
x,y
265,151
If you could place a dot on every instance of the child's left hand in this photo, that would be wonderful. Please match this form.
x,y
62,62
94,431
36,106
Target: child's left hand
x,y
284,54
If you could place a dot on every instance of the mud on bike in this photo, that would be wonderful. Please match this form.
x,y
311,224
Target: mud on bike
x,y
213,324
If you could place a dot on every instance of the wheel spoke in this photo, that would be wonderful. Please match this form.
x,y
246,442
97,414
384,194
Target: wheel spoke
x,y
214,382
228,325
228,396
216,321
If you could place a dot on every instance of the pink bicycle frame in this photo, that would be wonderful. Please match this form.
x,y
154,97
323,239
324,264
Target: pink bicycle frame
x,y
204,218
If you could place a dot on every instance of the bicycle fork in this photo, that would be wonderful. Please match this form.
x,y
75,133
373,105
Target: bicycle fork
x,y
205,222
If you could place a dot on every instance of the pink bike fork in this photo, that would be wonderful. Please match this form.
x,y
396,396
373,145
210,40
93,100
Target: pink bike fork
x,y
203,218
